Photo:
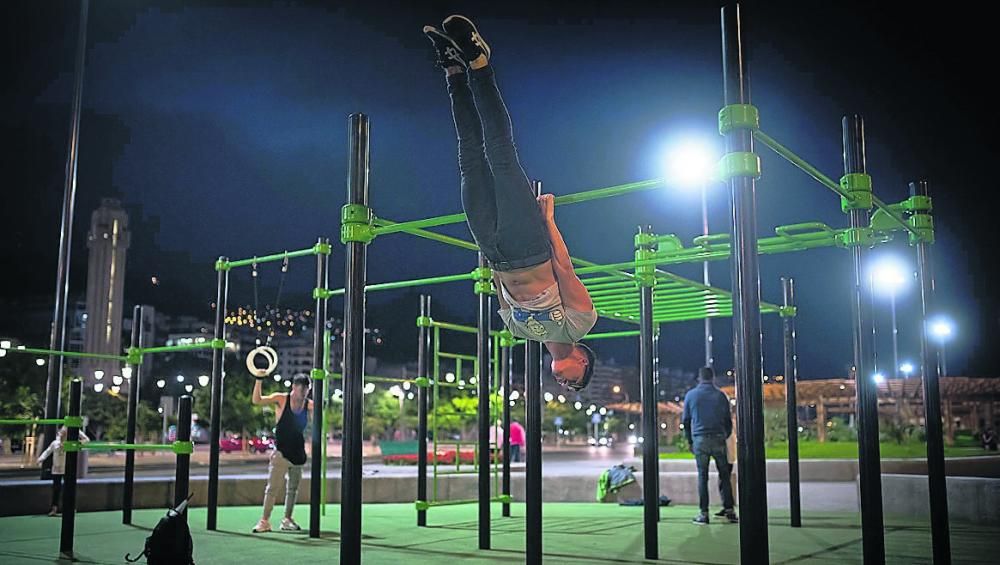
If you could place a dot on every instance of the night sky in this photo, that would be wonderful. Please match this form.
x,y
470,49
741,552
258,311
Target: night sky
x,y
222,127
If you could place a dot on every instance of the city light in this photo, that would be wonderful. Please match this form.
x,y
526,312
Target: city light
x,y
906,368
180,378
561,399
593,407
116,389
369,388
603,411
287,384
449,377
188,388
631,426
406,386
514,395
98,387
690,163
578,405
117,380
548,397
161,383
616,389
879,378
663,425
40,362
203,380
127,372
3,352
409,396
889,275
942,329
5,344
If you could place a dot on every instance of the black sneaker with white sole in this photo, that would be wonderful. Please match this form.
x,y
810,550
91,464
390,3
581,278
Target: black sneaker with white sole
x,y
449,54
701,519
465,34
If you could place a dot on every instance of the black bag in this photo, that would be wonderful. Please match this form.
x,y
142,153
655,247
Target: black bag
x,y
170,543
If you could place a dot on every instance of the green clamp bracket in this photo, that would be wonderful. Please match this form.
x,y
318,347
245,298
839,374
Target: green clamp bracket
x,y
322,293
859,187
71,446
739,164
218,344
322,249
923,224
738,116
787,311
73,421
133,356
917,204
318,374
882,221
183,447
422,505
484,280
505,498
669,243
853,237
221,265
483,287
424,321
356,224
422,382
506,338
645,250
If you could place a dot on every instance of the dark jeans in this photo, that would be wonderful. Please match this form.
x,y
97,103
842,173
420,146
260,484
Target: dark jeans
x,y
56,491
515,453
498,200
705,447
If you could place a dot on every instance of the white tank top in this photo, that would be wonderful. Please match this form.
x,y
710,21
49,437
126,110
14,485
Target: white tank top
x,y
544,318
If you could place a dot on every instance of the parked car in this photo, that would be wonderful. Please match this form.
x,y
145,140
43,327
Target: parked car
x,y
257,444
198,433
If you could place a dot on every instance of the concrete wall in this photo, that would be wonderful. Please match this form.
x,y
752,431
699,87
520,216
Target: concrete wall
x,y
969,498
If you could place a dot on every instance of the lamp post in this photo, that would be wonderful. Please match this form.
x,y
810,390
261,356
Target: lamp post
x,y
942,330
889,277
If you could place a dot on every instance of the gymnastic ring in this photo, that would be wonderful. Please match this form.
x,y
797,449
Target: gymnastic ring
x,y
272,361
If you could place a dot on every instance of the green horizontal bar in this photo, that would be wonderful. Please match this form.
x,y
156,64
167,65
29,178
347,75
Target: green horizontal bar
x,y
410,283
30,421
454,327
603,279
377,379
423,505
107,446
271,258
610,335
71,354
430,235
177,348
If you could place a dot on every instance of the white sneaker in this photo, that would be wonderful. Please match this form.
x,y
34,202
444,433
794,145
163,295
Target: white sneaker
x,y
262,526
289,525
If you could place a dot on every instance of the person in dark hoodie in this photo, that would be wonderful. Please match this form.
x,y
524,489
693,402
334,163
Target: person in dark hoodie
x,y
707,424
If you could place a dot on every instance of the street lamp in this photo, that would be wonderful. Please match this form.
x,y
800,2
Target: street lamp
x,y
161,383
906,368
942,329
203,380
889,276
879,378
691,166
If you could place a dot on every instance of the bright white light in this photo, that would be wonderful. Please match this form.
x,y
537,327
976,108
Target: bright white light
x,y
396,391
907,368
449,377
801,429
511,402
578,405
472,380
406,386
603,441
561,399
632,439
287,384
889,275
338,392
40,362
3,352
879,378
941,329
189,388
161,383
642,439
180,378
159,410
663,425
409,396
369,388
514,395
98,387
127,372
5,344
690,163
277,378
631,426
732,401
593,407
591,441
548,397
603,411
616,389
117,380
203,380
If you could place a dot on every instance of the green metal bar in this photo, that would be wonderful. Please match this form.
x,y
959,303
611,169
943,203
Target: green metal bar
x,y
424,505
271,258
431,235
326,413
177,348
799,162
585,196
109,446
71,354
434,433
895,216
32,421
410,283
610,335
454,327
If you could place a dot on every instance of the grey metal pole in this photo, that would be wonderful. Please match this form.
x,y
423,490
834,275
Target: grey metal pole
x,y
869,460
484,377
319,388
182,476
791,405
356,215
423,372
709,358
133,407
68,524
936,482
752,476
645,245
218,389
57,340
507,380
895,336
533,452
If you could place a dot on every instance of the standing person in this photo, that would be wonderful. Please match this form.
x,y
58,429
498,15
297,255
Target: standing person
x,y
57,451
516,441
540,296
289,454
707,425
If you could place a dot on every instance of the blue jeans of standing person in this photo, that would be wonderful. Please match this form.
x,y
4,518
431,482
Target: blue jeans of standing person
x,y
708,446
498,200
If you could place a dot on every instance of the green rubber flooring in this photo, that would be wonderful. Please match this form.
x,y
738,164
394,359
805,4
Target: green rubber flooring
x,y
574,533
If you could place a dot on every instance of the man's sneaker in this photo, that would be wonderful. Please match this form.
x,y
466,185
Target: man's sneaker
x,y
701,519
728,514
262,526
465,34
449,54
289,525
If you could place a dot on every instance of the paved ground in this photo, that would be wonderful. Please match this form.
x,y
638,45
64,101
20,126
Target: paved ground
x,y
573,534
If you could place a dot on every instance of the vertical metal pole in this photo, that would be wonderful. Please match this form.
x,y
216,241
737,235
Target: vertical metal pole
x,y
423,372
791,376
650,459
929,370
319,388
133,406
218,389
507,380
533,452
182,476
57,340
752,475
895,337
656,412
869,466
354,350
484,378
709,358
69,475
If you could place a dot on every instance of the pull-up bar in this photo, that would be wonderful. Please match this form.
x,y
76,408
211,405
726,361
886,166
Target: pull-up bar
x,y
318,249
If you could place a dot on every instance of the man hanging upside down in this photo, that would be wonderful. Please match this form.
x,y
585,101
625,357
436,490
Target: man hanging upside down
x,y
540,296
